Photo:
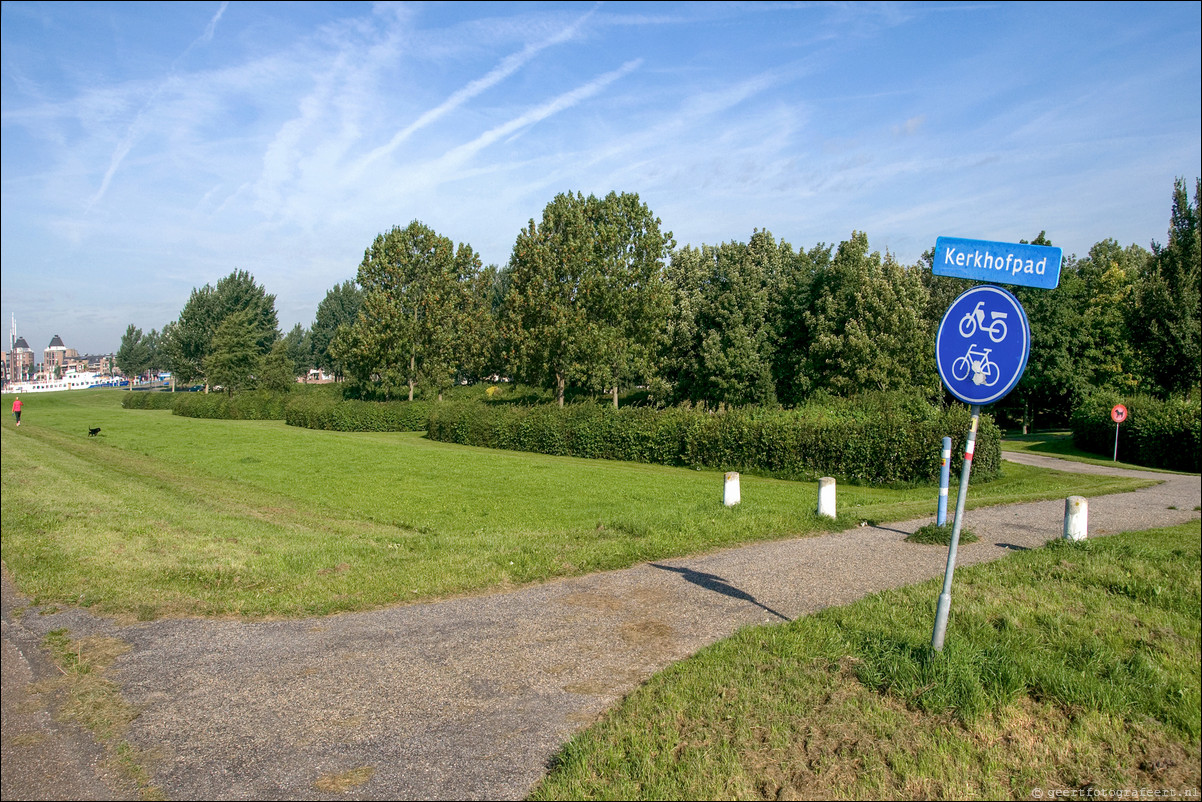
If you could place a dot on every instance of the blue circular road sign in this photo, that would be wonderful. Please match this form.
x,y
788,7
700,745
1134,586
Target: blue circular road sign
x,y
983,343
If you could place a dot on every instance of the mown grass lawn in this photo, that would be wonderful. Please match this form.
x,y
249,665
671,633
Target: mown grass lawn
x,y
161,515
1074,670
1060,444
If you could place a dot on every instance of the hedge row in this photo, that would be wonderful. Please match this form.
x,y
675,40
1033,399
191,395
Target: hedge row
x,y
254,405
879,439
149,400
324,412
898,446
1158,434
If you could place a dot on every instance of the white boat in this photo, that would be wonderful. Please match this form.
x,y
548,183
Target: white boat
x,y
70,381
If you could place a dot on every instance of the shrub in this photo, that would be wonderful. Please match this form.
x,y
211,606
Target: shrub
x,y
253,405
321,411
1156,433
149,400
866,441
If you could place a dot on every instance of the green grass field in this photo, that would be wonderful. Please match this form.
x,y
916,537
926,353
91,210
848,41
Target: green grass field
x,y
161,515
1060,444
1073,669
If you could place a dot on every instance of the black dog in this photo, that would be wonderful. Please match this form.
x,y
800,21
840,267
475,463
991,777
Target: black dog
x,y
93,432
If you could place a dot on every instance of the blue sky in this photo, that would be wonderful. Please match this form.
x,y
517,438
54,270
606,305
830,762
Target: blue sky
x,y
150,148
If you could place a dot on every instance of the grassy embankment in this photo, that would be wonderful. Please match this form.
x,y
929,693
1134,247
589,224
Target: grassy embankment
x,y
1059,444
161,515
1069,671
1072,667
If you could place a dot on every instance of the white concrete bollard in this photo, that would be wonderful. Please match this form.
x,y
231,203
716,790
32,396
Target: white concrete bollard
x,y
826,497
1076,518
730,490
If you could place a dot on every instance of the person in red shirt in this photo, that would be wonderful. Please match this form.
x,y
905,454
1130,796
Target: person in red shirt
x,y
17,409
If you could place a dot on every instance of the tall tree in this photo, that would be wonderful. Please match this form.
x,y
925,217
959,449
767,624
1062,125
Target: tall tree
x,y
722,325
1164,316
409,329
277,371
868,325
298,346
456,335
235,359
1110,360
585,290
339,308
1053,381
134,355
190,343
154,346
793,336
630,251
481,346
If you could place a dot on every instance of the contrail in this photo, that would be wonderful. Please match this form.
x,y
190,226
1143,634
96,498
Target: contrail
x,y
508,66
132,133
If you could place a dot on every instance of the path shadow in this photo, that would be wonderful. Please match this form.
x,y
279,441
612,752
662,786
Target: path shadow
x,y
1012,547
717,584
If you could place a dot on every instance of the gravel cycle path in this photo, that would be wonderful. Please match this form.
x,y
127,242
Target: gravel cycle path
x,y
468,698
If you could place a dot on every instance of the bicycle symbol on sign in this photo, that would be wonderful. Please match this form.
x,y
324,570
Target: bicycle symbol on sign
x,y
983,370
971,320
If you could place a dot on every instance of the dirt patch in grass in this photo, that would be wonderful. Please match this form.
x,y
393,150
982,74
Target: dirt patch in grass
x,y
646,633
338,783
84,696
845,751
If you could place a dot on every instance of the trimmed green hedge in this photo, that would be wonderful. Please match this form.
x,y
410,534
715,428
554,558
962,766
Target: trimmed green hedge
x,y
1158,434
148,399
254,405
881,444
878,439
314,411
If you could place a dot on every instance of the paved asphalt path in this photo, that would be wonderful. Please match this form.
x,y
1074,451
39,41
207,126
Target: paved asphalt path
x,y
467,698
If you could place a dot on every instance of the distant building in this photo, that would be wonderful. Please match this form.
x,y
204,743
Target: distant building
x,y
57,361
18,363
57,358
102,364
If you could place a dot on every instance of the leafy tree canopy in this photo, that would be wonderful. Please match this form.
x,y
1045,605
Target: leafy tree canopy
x,y
339,308
417,306
134,355
585,293
190,343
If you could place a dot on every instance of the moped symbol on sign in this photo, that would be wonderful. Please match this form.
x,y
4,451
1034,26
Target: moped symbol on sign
x,y
983,343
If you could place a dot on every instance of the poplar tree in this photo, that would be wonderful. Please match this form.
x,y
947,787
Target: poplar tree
x,y
190,342
339,308
412,325
867,324
585,295
134,355
235,359
722,326
1164,317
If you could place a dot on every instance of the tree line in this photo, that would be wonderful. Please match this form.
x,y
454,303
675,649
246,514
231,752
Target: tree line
x,y
598,299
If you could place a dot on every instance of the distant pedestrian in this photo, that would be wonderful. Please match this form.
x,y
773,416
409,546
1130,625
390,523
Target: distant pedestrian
x,y
17,409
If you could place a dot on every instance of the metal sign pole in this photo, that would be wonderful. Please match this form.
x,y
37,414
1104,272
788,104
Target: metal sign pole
x,y
982,346
945,598
1118,415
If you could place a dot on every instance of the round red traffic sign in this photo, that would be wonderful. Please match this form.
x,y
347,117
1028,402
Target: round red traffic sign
x,y
1119,413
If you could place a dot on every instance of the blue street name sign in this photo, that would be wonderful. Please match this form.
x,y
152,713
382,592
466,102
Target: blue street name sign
x,y
982,346
998,262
